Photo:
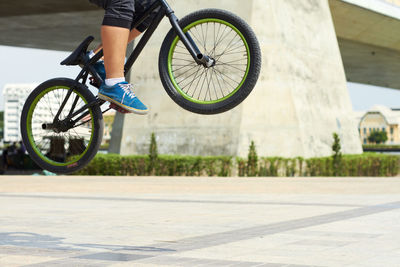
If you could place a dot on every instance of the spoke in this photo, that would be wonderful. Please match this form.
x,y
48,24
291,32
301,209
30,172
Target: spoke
x,y
199,81
194,79
181,53
205,41
209,83
208,87
212,80
49,105
231,65
185,78
216,37
225,50
179,65
236,60
235,48
183,59
182,47
185,66
217,72
55,96
223,36
197,36
227,76
200,36
202,86
240,52
204,38
219,84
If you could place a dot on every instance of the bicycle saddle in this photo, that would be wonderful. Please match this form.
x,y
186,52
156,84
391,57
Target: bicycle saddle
x,y
78,55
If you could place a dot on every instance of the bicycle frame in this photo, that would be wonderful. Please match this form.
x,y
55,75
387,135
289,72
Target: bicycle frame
x,y
164,11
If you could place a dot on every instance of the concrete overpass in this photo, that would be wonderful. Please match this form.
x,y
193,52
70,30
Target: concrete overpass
x,y
302,86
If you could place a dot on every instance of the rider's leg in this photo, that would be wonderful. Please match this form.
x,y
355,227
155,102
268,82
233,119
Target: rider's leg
x,y
115,40
132,36
140,8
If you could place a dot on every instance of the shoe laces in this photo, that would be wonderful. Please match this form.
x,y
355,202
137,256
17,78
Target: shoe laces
x,y
128,89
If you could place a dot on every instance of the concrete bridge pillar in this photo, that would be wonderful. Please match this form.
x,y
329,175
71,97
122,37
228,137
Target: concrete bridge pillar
x,y
300,100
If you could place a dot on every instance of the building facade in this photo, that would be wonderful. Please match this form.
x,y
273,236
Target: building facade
x,y
380,118
14,96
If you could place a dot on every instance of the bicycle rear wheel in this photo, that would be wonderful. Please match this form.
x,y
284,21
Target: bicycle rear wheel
x,y
66,144
230,42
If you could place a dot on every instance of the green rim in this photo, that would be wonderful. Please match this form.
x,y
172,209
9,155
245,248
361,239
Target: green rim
x,y
172,49
30,134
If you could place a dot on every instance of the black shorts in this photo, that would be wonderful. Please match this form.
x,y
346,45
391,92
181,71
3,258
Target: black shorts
x,y
125,13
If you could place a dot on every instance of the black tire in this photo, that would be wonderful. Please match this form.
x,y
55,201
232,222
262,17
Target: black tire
x,y
218,102
63,152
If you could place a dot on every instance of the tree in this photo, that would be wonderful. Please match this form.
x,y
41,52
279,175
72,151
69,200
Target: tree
x,y
378,137
153,153
252,161
337,155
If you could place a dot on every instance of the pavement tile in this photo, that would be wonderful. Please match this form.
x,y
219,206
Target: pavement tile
x,y
20,260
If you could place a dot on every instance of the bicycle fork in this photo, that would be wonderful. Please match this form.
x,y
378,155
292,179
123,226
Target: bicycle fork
x,y
186,39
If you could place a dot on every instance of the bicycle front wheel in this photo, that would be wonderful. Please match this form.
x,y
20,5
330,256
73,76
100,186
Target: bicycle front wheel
x,y
230,43
64,143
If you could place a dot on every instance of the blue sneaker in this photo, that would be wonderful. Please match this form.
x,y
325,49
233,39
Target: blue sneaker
x,y
122,95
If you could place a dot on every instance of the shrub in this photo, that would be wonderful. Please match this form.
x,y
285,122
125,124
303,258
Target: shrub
x,y
252,161
337,155
368,164
153,154
112,164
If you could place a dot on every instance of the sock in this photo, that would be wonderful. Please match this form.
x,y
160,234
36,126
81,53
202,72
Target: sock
x,y
91,54
114,81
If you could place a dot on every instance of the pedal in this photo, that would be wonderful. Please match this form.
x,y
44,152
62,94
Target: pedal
x,y
93,82
119,109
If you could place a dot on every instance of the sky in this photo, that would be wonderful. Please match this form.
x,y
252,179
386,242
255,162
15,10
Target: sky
x,y
26,65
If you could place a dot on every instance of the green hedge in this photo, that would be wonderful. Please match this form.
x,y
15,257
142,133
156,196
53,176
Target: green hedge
x,y
368,164
381,147
112,164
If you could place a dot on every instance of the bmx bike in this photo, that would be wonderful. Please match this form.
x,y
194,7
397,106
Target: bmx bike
x,y
209,63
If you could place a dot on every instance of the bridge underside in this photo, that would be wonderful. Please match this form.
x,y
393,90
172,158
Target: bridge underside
x,y
48,24
370,64
369,43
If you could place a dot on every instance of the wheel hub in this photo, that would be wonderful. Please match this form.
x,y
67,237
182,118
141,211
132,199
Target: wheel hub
x,y
58,126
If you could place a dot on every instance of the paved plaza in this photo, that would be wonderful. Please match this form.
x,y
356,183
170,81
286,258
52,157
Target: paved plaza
x,y
178,221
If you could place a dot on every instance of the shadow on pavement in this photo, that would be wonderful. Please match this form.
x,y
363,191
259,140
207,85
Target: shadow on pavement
x,y
25,239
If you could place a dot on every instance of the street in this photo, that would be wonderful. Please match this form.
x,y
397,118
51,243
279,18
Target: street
x,y
182,221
